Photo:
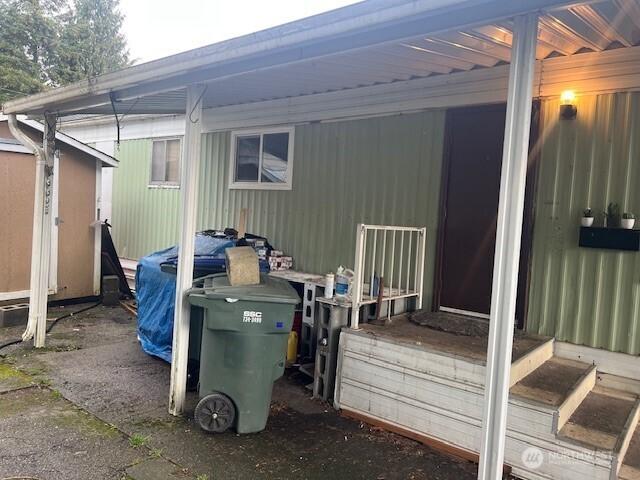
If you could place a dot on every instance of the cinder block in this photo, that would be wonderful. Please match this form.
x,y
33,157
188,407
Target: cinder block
x,y
110,290
14,315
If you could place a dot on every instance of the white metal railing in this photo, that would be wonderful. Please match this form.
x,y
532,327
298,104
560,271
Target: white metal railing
x,y
395,254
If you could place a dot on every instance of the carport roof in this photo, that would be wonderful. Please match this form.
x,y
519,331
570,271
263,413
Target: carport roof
x,y
369,43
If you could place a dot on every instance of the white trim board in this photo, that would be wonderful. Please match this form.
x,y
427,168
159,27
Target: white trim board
x,y
615,363
131,128
13,147
55,203
19,295
107,160
97,234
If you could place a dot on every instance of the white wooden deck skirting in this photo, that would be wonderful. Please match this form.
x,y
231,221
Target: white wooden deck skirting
x,y
440,395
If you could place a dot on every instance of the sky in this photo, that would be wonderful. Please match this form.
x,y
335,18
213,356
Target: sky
x,y
157,28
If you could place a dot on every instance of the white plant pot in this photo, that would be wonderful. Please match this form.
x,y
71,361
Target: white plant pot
x,y
586,221
628,223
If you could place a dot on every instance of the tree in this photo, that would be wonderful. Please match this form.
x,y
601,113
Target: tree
x,y
48,43
91,42
28,33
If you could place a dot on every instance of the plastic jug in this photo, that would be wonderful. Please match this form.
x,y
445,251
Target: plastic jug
x,y
343,280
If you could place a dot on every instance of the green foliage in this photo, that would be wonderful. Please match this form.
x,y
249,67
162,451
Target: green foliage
x,y
48,43
137,440
90,41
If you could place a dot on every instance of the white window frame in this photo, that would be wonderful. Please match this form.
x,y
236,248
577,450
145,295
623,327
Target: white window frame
x,y
164,184
259,185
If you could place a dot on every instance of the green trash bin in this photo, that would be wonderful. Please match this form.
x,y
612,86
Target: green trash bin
x,y
244,341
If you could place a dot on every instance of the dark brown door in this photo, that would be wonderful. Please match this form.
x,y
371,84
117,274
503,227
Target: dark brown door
x,y
470,207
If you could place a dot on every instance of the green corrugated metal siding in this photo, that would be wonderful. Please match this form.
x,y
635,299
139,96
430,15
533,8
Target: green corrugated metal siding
x,y
579,295
144,219
381,170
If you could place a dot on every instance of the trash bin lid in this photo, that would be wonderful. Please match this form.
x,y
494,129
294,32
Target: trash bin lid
x,y
270,289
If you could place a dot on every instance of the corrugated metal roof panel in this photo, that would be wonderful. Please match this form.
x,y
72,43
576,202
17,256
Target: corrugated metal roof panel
x,y
594,26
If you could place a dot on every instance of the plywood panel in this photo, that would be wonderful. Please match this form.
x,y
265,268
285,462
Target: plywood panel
x,y
16,219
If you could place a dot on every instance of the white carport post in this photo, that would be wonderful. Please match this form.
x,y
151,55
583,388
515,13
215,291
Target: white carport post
x,y
189,190
508,239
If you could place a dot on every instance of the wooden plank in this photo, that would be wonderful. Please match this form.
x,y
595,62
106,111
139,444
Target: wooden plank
x,y
578,393
625,439
615,363
438,445
242,223
530,361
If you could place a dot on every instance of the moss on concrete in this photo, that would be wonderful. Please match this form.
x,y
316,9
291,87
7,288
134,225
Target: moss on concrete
x,y
12,378
72,418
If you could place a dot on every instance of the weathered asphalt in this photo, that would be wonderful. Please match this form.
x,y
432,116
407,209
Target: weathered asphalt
x,y
70,411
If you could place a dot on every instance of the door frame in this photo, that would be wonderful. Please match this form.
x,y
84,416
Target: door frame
x,y
524,272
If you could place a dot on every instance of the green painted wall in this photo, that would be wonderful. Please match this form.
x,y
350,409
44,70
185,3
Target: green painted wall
x,y
584,296
387,170
381,170
144,219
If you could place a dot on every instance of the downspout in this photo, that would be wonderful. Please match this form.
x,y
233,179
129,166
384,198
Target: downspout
x,y
35,282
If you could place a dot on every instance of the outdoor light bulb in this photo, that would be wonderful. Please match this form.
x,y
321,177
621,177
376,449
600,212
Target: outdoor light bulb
x,y
568,97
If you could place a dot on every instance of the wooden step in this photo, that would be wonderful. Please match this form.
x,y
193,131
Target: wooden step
x,y
602,421
529,362
560,385
631,465
552,382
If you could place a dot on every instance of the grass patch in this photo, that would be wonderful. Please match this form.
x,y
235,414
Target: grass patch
x,y
156,453
202,477
138,440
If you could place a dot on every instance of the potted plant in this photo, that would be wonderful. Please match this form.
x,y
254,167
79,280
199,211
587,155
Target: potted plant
x,y
628,220
612,216
587,218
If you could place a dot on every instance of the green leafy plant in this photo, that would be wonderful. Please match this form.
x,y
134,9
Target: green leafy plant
x,y
588,213
612,215
628,216
137,440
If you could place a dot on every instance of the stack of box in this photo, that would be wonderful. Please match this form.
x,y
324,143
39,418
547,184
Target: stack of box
x,y
260,246
279,261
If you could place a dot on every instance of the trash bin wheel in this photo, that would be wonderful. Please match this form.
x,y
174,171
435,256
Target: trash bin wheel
x,y
215,413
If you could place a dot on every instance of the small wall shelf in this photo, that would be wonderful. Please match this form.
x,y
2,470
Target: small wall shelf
x,y
610,238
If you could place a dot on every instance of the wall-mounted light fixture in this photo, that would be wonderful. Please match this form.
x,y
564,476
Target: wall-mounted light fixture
x,y
568,109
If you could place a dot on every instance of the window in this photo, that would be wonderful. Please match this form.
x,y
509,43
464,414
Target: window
x,y
262,160
165,162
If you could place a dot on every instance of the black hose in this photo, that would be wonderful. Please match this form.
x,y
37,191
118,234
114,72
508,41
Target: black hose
x,y
53,324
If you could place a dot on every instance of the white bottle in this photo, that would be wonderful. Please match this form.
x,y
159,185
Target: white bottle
x,y
329,282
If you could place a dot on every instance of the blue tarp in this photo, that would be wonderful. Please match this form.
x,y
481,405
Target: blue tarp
x,y
156,290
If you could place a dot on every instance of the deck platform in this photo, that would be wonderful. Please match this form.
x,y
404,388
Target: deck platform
x,y
428,381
